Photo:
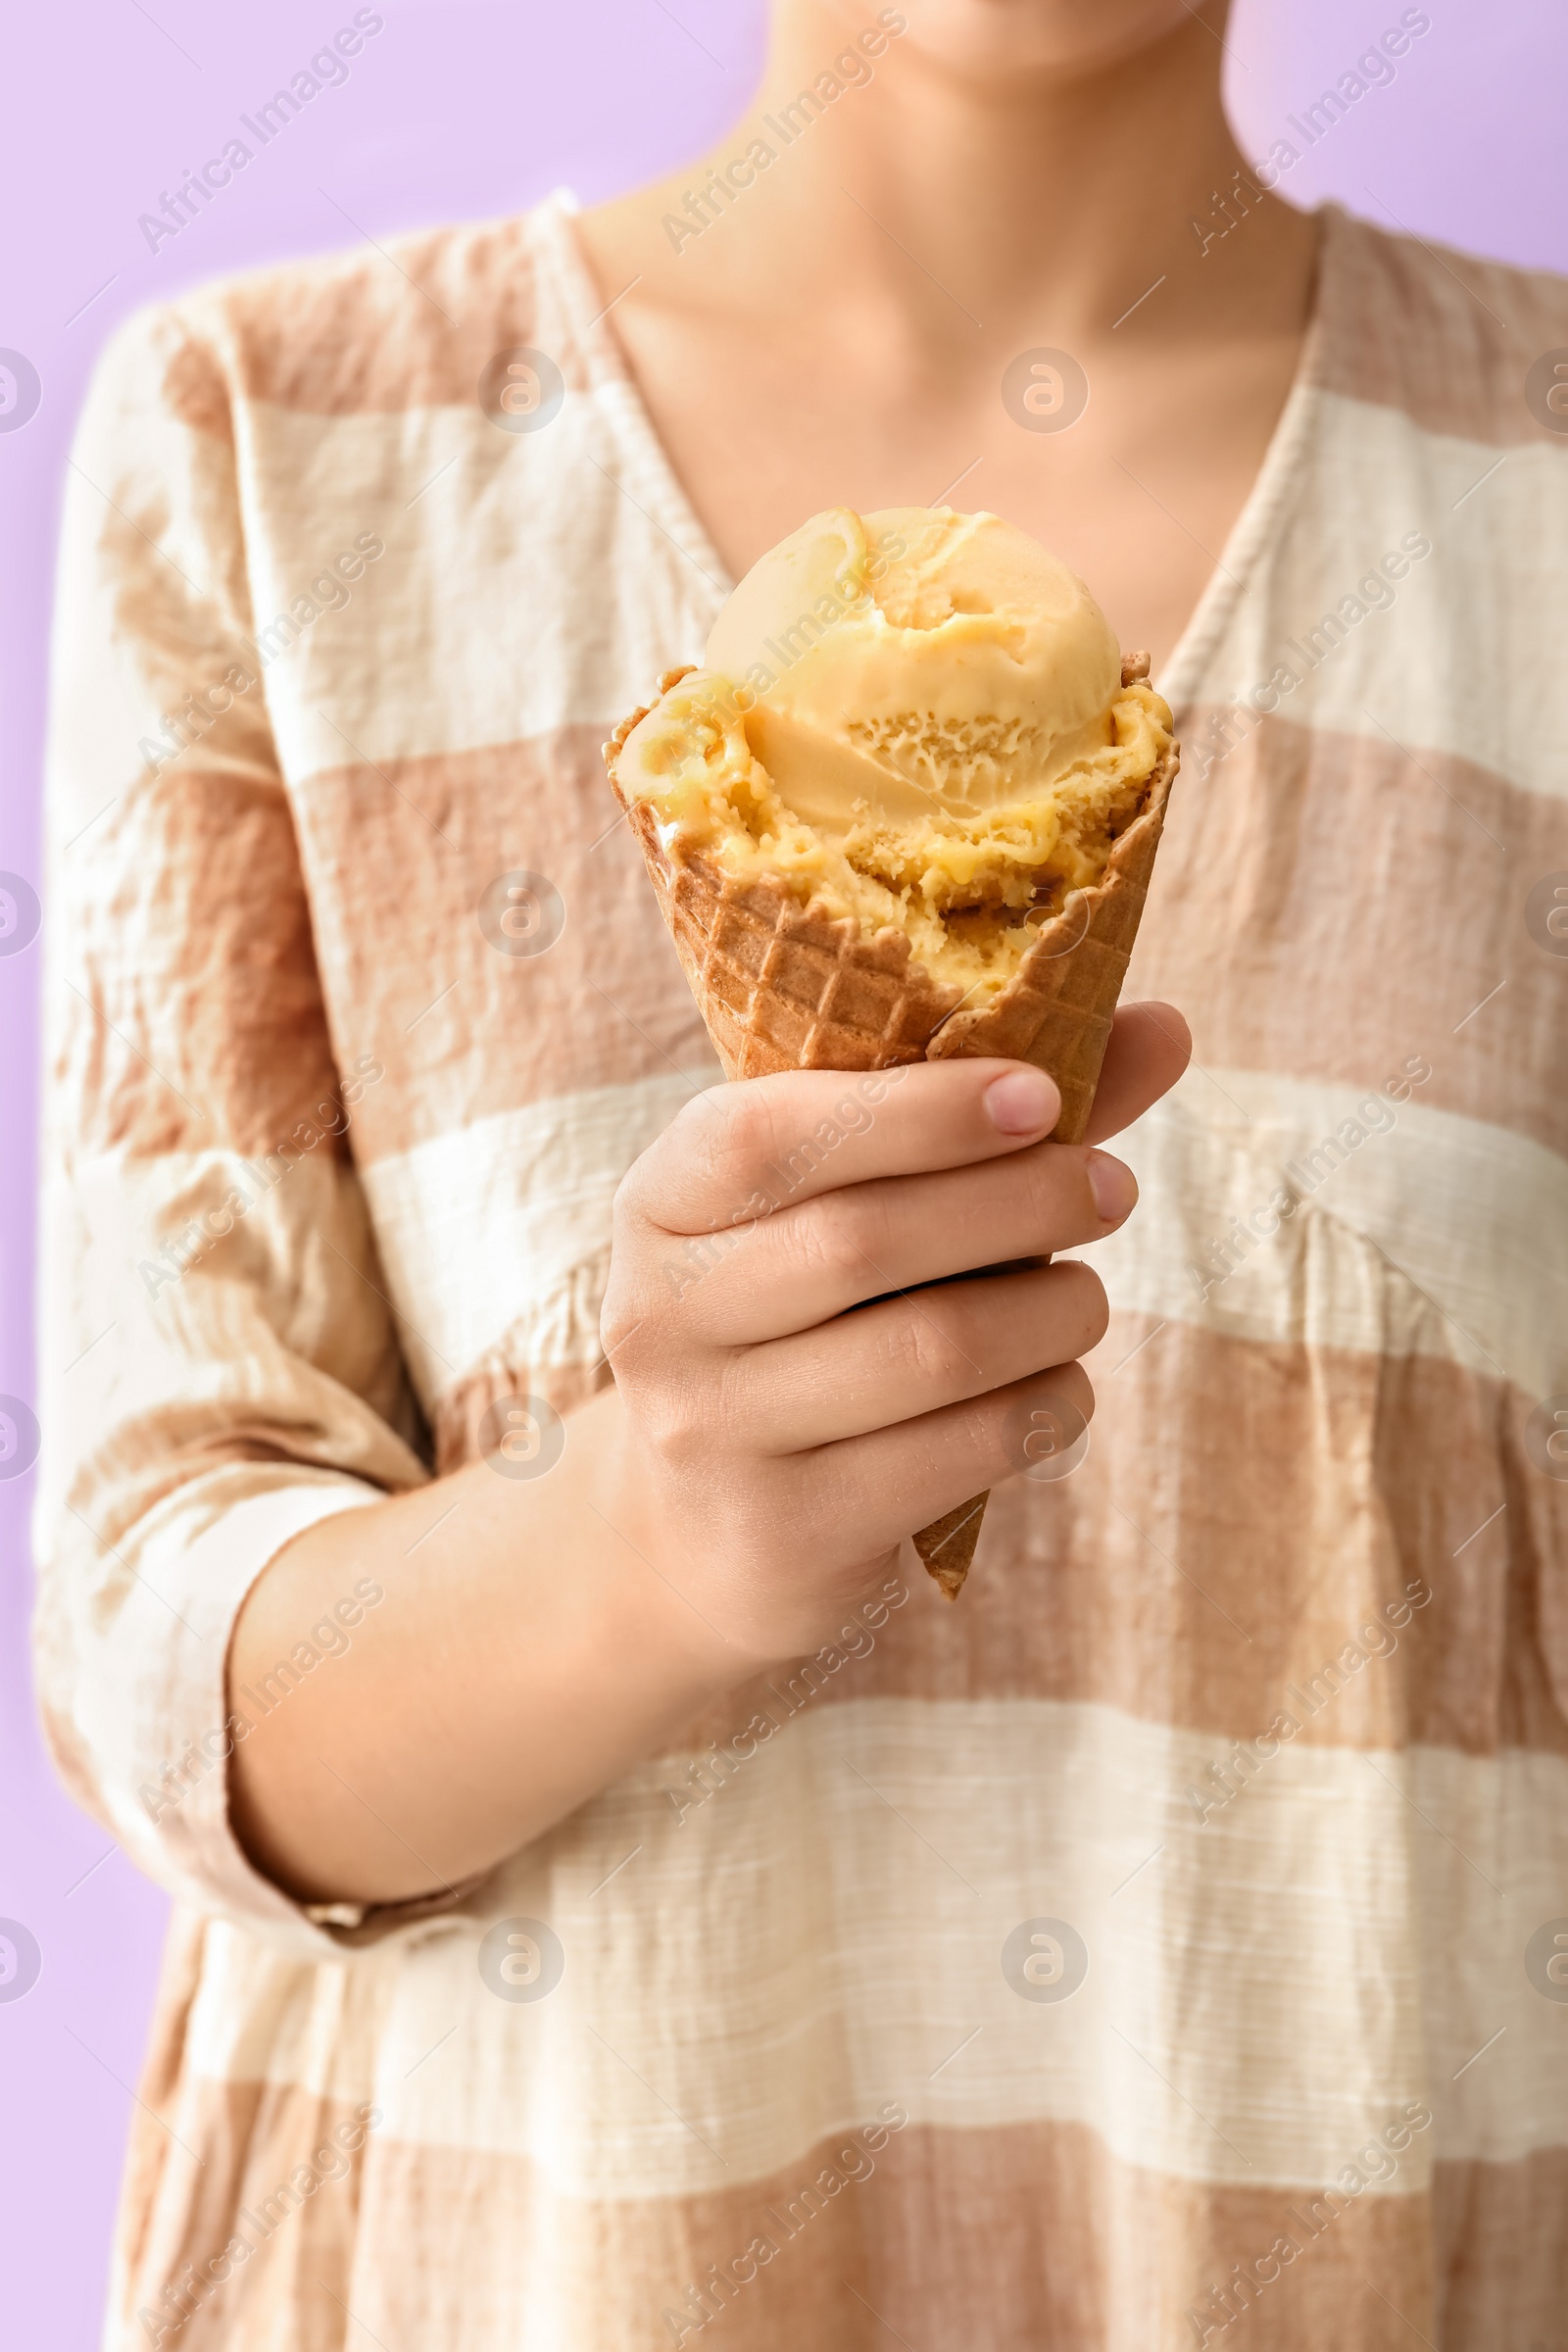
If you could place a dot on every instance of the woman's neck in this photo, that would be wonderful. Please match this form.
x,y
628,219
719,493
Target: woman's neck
x,y
833,307
1054,196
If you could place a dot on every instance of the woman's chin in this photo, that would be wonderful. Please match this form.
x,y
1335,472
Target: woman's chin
x,y
997,40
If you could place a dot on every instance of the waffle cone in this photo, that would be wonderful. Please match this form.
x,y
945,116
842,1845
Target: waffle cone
x,y
783,986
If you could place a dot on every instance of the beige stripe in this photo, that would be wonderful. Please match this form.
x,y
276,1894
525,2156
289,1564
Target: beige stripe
x,y
465,1030
1035,2227
193,1013
1293,919
1140,1587
1441,336
379,333
1034,2236
349,335
1502,2275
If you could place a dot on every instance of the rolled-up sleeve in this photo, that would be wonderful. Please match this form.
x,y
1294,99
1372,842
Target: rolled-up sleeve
x,y
219,1366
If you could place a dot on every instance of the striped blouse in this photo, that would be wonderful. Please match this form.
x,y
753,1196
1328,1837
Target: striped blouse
x,y
1166,1946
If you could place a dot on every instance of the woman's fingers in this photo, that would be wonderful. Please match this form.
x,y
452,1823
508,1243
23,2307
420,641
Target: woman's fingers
x,y
1149,1047
910,1355
802,1266
741,1152
868,1490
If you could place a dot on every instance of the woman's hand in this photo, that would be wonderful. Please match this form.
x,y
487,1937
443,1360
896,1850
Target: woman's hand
x,y
797,1396
796,1390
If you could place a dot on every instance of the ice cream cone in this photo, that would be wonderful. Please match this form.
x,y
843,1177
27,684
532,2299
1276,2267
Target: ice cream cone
x,y
783,986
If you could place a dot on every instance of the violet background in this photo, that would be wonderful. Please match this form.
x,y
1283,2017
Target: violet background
x,y
458,108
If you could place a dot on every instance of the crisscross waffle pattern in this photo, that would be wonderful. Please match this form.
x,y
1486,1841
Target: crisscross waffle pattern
x,y
787,987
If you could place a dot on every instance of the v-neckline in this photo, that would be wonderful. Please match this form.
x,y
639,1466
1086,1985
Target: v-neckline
x,y
1248,540
588,318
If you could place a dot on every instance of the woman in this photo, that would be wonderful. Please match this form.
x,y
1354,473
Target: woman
x,y
616,1897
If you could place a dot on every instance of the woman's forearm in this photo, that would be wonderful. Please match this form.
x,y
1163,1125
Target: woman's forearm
x,y
522,1656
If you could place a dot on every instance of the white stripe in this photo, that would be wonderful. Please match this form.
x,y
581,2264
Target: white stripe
x,y
1440,1236
1436,1235
564,591
1367,477
567,586
501,1231
530,588
562,596
1263,1996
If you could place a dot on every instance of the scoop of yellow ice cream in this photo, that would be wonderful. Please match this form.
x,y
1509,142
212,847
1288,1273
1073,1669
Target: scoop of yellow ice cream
x,y
913,662
916,717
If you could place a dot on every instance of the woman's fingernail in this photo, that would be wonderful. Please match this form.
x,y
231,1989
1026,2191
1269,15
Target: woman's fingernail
x,y
1113,1185
1023,1102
